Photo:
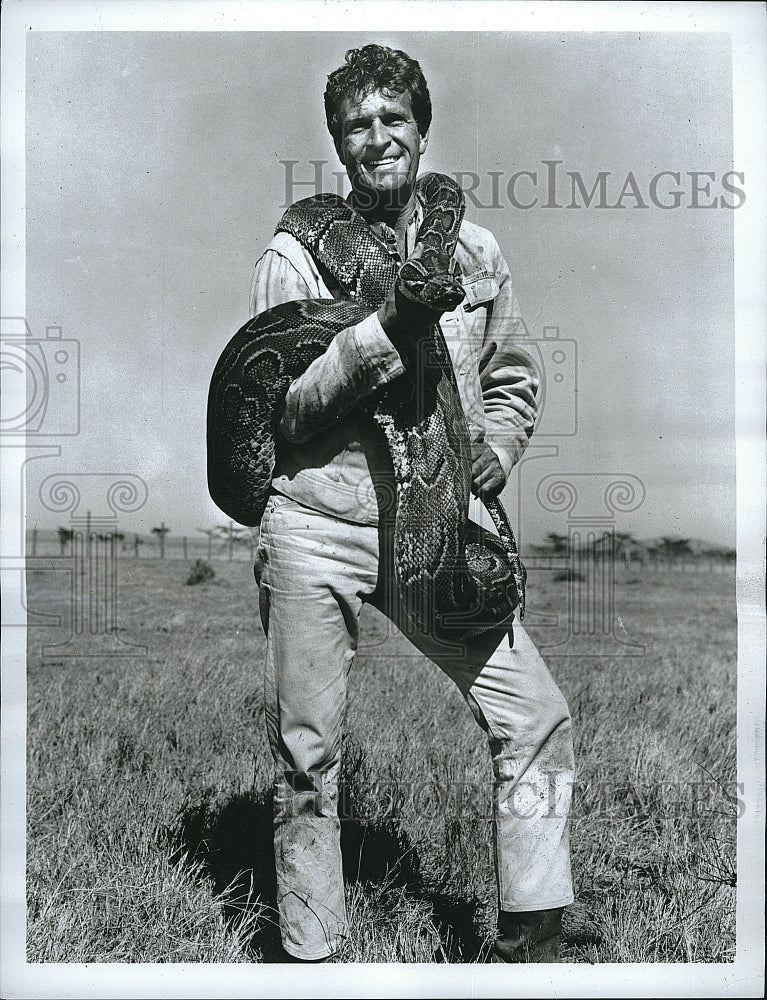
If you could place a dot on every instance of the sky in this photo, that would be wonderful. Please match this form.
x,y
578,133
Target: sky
x,y
157,171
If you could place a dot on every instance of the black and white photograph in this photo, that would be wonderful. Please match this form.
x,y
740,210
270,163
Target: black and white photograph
x,y
383,481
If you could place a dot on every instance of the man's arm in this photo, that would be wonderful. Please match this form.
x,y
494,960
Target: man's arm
x,y
509,382
359,360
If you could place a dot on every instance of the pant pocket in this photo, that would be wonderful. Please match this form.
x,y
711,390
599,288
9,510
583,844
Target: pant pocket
x,y
259,564
261,557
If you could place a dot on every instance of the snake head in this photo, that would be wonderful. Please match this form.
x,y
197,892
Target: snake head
x,y
432,279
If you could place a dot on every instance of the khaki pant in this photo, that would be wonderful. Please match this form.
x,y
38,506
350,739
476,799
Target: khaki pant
x,y
315,572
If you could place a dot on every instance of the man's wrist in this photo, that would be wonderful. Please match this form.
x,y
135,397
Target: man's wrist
x,y
387,317
395,330
507,457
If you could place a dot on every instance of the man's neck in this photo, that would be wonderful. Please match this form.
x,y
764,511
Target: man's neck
x,y
396,214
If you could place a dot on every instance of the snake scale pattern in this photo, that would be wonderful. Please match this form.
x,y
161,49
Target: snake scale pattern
x,y
455,580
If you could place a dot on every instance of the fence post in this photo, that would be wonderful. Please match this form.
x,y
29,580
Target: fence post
x,y
184,542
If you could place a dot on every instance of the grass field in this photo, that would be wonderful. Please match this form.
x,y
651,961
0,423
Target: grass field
x,y
149,815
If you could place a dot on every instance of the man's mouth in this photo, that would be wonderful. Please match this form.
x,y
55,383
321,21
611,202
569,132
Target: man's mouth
x,y
382,163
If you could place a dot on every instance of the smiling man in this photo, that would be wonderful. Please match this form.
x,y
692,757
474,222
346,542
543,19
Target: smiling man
x,y
323,548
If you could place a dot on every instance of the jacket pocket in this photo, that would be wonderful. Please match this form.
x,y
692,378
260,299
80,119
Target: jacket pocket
x,y
480,287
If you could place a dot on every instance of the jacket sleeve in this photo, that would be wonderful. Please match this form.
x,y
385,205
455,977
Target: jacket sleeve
x,y
359,360
508,376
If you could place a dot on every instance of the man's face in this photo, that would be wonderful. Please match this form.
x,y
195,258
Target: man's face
x,y
380,145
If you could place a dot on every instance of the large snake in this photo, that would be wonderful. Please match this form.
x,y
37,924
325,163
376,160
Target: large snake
x,y
455,579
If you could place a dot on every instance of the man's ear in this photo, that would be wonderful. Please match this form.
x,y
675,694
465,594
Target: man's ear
x,y
423,143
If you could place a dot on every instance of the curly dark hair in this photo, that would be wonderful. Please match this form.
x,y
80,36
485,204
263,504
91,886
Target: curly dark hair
x,y
376,67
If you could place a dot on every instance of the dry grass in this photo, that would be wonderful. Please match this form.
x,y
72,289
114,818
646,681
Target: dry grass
x,y
149,815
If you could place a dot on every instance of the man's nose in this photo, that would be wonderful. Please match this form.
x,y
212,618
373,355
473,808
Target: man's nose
x,y
379,134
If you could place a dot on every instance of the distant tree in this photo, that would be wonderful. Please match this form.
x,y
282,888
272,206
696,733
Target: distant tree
x,y
211,534
603,546
235,533
161,532
118,536
558,545
625,539
671,549
231,533
626,546
599,545
675,546
719,554
65,537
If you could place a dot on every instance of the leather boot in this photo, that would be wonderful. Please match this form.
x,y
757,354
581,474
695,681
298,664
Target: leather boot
x,y
533,936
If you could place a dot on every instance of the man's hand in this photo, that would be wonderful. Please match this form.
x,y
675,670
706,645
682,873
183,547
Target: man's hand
x,y
487,475
405,320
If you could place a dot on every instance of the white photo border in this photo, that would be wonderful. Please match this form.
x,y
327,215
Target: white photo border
x,y
747,26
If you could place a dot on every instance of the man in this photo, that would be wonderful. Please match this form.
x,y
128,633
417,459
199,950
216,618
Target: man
x,y
323,551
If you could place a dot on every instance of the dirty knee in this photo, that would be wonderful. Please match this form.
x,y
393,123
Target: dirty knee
x,y
306,793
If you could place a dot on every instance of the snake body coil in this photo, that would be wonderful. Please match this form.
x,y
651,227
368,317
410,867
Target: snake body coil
x,y
454,579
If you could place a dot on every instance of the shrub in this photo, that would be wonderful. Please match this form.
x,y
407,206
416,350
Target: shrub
x,y
201,572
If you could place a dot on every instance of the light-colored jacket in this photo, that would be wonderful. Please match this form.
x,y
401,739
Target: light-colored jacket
x,y
328,452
